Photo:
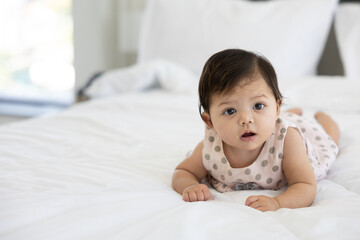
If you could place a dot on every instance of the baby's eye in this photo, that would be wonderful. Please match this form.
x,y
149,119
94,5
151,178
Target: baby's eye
x,y
230,111
258,106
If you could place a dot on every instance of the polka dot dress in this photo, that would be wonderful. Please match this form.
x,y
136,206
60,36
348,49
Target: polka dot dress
x,y
266,171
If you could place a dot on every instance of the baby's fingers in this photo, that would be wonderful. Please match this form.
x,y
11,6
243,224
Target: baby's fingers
x,y
262,203
193,196
197,193
207,194
200,195
250,200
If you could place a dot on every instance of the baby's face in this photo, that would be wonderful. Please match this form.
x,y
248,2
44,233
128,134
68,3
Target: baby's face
x,y
246,117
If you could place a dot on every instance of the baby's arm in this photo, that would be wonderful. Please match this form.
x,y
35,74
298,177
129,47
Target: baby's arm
x,y
187,177
300,176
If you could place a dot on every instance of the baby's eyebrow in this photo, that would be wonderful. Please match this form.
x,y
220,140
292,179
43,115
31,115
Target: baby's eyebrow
x,y
230,102
260,96
224,103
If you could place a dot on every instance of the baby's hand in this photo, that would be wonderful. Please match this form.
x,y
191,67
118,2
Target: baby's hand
x,y
197,192
262,203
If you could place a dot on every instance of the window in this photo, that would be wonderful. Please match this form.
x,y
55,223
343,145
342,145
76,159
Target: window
x,y
36,56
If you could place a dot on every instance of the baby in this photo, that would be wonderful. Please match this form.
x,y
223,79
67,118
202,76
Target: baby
x,y
248,144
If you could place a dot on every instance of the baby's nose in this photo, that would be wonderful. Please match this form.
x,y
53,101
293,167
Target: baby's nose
x,y
245,117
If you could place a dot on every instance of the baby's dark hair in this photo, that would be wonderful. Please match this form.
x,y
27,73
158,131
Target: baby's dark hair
x,y
223,71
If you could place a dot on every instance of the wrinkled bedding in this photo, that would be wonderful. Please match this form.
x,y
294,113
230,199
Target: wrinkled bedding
x,y
102,170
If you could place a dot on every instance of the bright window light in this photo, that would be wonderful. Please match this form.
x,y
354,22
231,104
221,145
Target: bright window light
x,y
36,54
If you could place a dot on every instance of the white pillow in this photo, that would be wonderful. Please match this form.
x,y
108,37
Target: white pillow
x,y
291,34
347,30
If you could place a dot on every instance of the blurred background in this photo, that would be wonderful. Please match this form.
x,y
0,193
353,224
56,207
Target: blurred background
x,y
36,56
50,48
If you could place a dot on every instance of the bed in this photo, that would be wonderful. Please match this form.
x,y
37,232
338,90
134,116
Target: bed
x,y
102,169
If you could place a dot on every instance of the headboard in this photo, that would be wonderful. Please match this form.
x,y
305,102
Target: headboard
x,y
330,62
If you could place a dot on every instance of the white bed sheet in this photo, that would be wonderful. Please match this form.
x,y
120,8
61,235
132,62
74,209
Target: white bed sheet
x,y
102,170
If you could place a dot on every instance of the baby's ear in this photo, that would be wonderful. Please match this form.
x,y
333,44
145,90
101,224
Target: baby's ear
x,y
278,107
207,119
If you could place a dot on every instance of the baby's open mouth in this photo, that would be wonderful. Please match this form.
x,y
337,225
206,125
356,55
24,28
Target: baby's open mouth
x,y
248,136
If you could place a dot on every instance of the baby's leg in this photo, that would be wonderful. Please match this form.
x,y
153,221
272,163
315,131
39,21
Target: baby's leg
x,y
329,126
297,111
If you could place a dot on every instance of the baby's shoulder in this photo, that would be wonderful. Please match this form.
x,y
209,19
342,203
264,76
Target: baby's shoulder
x,y
293,138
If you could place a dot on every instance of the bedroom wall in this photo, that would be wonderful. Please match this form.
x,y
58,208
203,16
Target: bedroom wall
x,y
105,35
94,37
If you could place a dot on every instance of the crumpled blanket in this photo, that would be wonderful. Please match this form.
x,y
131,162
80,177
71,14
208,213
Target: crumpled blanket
x,y
157,73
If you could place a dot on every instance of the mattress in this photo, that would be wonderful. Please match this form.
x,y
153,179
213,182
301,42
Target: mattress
x,y
102,170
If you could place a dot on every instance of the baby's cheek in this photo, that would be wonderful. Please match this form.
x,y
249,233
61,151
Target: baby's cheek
x,y
267,129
